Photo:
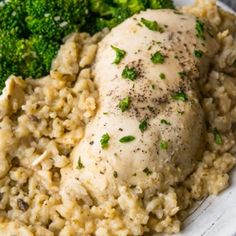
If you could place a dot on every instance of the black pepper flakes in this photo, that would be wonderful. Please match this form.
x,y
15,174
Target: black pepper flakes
x,y
115,174
147,171
132,186
22,205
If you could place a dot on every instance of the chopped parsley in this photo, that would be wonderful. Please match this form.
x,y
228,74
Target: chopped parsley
x,y
162,76
115,174
105,113
182,74
180,96
158,58
153,86
120,54
217,136
152,25
200,29
163,145
147,171
143,126
198,53
129,73
124,104
80,164
105,141
165,122
127,139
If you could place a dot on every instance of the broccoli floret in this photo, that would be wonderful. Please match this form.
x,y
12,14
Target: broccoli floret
x,y
110,13
118,16
45,49
105,14
109,8
35,56
55,19
101,7
12,17
134,5
26,57
160,4
10,48
31,32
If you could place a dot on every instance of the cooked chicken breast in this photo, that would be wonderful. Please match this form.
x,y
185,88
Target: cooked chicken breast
x,y
149,129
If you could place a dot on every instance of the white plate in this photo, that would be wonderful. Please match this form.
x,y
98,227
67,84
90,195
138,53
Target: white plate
x,y
215,216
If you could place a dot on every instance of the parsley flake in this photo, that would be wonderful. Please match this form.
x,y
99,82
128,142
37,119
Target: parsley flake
x,y
143,126
80,164
158,58
120,54
163,145
200,29
129,73
180,96
162,76
217,136
198,53
147,171
165,122
124,104
127,139
152,25
105,141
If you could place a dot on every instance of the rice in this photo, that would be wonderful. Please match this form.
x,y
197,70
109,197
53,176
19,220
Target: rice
x,y
41,121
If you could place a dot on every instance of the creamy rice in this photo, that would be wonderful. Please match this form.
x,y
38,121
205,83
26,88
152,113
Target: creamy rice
x,y
41,121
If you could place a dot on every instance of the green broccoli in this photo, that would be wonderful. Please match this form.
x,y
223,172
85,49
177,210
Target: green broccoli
x,y
31,32
160,4
134,5
118,16
37,56
55,19
101,7
109,13
10,46
26,57
12,16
